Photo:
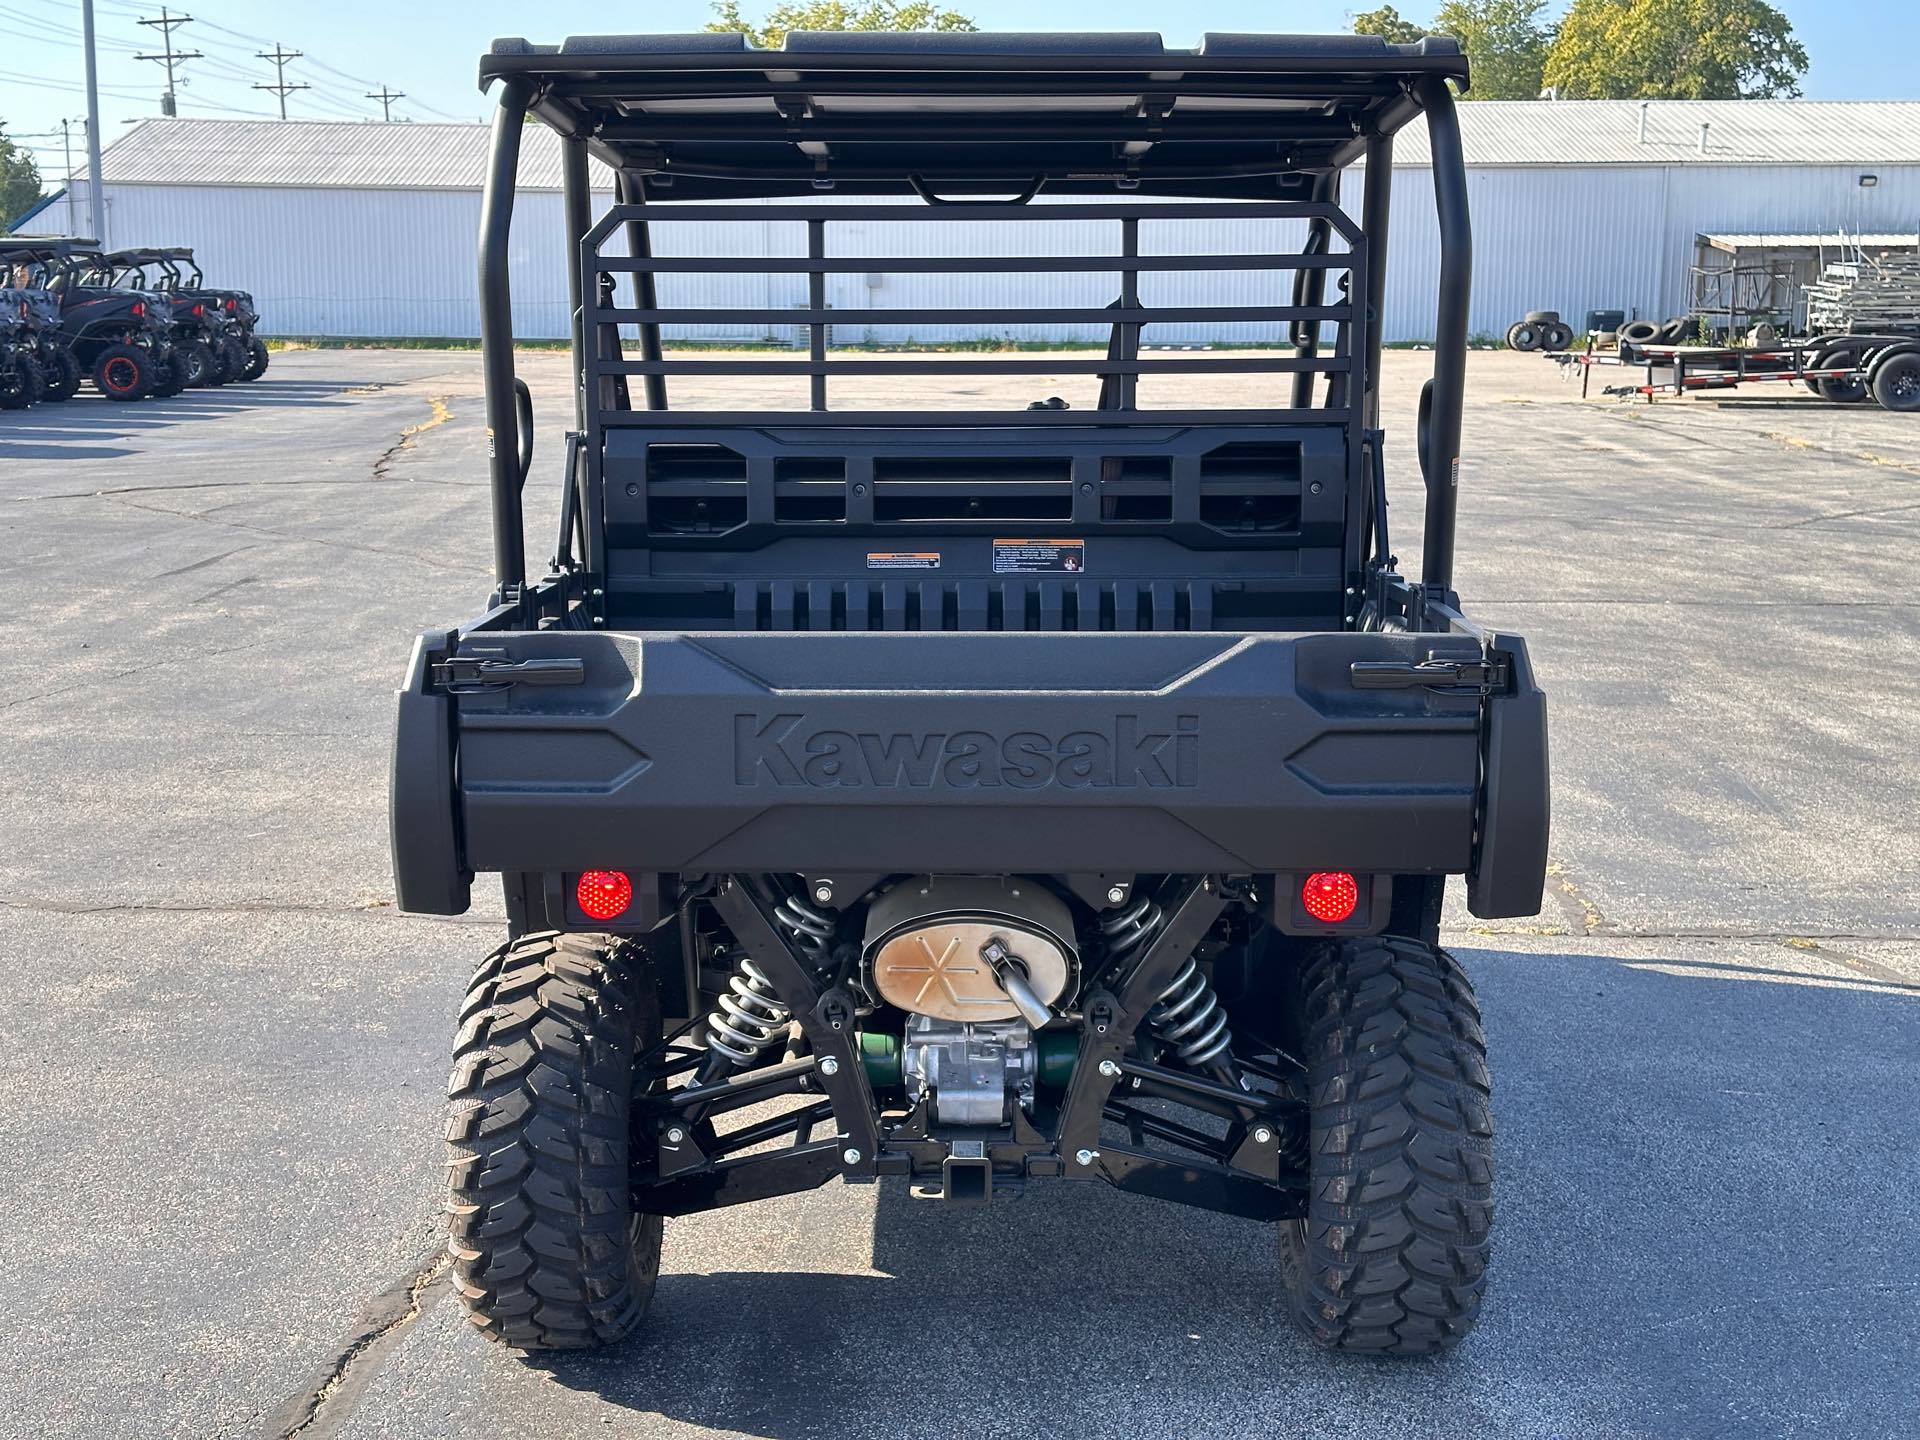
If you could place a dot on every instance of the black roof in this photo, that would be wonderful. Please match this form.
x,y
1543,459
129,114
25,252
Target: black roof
x,y
864,111
148,254
46,246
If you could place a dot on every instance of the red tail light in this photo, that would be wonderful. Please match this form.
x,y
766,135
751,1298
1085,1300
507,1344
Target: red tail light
x,y
1330,896
199,309
139,307
604,894
233,304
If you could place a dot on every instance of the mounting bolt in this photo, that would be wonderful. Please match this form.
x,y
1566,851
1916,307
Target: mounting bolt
x,y
823,892
598,594
1263,1136
675,1135
850,1155
829,1065
1116,893
1085,1157
1109,1069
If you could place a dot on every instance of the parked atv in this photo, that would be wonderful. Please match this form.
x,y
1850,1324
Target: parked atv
x,y
121,337
60,372
237,313
201,342
975,793
20,380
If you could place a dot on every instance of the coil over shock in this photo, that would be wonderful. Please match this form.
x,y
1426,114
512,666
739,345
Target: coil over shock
x,y
748,1017
1188,1017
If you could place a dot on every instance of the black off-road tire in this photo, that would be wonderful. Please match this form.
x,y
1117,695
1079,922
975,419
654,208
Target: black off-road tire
x,y
169,376
258,357
19,384
1557,336
1523,335
60,376
1392,1258
123,372
200,364
547,1251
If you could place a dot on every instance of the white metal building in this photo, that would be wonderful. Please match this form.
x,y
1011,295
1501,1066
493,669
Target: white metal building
x,y
368,230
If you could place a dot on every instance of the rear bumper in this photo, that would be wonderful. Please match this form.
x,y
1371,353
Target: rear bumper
x,y
880,752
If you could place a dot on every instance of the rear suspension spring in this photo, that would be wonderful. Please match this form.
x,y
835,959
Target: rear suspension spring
x,y
747,1018
1190,1019
812,929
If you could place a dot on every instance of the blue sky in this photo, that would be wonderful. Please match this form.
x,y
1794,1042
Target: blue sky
x,y
1860,49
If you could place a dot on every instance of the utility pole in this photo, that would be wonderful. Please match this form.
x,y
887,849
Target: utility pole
x,y
166,25
280,56
386,98
66,149
96,202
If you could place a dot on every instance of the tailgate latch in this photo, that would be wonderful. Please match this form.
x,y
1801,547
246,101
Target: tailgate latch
x,y
1484,675
474,674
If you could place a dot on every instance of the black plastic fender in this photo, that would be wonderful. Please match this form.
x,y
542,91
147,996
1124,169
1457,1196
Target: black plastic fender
x,y
429,875
1509,872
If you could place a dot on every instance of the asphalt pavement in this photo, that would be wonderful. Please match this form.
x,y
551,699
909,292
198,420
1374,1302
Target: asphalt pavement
x,y
221,1065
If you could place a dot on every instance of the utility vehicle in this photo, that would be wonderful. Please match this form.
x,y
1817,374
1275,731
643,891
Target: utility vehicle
x,y
120,337
230,315
1010,788
201,344
31,315
19,366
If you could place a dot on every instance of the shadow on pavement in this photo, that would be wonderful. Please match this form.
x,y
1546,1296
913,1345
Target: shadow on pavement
x,y
18,450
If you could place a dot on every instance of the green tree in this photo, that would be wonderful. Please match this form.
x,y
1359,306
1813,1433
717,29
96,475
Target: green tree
x,y
1388,25
1675,50
1505,40
19,180
771,32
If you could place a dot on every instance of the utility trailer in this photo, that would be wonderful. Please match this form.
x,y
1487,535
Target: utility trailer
x,y
898,782
1845,369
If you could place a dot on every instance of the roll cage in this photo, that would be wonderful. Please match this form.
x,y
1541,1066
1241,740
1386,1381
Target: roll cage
x,y
976,127
50,263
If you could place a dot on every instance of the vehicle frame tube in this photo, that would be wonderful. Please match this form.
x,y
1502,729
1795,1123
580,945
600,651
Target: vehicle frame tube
x,y
496,335
1450,331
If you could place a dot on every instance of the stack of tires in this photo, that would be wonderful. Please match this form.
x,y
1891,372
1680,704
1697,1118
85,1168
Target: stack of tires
x,y
1540,330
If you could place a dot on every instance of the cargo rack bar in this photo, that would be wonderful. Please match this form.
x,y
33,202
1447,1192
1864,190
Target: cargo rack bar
x,y
605,359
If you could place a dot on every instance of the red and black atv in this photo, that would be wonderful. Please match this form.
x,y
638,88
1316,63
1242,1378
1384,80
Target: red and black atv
x,y
121,337
220,321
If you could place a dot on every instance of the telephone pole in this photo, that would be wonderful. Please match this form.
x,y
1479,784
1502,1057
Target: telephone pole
x,y
386,98
280,56
66,148
166,25
96,202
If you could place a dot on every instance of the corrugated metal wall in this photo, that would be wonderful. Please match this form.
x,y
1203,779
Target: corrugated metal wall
x,y
1571,238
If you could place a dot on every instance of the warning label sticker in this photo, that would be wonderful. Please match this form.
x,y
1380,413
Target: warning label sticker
x,y
903,559
1039,557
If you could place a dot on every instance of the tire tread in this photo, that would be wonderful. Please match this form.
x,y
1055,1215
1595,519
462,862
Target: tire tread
x,y
1392,1258
545,1250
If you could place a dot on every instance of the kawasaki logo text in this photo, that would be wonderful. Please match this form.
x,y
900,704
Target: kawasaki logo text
x,y
1124,755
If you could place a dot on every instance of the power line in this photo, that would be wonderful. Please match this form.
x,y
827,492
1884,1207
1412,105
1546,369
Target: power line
x,y
386,98
166,25
280,56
